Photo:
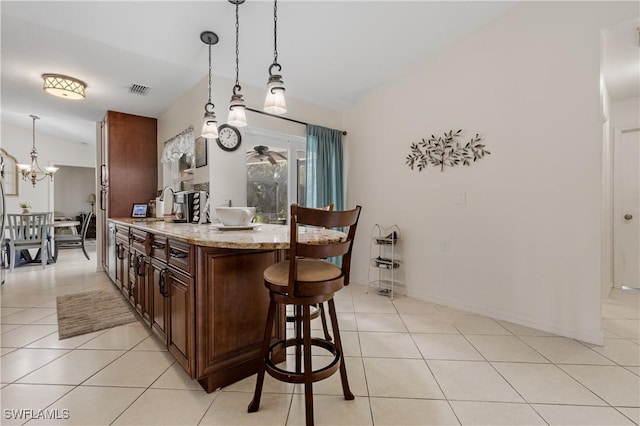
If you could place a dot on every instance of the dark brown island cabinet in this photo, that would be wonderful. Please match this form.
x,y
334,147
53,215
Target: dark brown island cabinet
x,y
207,304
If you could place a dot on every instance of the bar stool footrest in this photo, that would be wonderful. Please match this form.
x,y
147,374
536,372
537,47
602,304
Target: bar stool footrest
x,y
315,313
294,377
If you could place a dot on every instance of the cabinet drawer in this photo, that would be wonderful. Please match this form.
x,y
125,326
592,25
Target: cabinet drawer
x,y
159,247
122,233
140,241
181,256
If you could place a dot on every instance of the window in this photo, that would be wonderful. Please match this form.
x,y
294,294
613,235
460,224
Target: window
x,y
273,180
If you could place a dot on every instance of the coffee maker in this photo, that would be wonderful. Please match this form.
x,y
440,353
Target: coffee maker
x,y
181,210
190,206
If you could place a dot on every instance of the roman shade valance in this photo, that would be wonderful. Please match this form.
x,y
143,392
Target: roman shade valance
x,y
179,145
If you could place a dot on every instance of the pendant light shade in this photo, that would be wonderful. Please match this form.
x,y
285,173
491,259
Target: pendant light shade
x,y
209,125
209,122
274,103
237,109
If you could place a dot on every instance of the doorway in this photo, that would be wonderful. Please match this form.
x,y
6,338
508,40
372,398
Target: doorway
x,y
276,169
74,190
626,208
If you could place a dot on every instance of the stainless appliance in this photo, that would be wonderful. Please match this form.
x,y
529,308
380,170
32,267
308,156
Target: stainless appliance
x,y
181,207
190,206
3,246
111,250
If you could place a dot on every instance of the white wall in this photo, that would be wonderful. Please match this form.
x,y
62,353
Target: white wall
x,y
72,187
227,173
526,246
52,151
625,113
607,194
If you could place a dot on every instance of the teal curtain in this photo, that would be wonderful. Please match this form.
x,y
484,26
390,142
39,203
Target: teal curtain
x,y
324,167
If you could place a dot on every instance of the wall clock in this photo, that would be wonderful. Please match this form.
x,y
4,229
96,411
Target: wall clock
x,y
229,137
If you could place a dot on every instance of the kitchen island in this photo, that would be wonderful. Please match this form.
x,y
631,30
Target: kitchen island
x,y
200,289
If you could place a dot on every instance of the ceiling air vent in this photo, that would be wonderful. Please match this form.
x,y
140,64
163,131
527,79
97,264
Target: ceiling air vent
x,y
138,89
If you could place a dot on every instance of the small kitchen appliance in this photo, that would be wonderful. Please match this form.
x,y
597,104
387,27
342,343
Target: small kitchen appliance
x,y
190,206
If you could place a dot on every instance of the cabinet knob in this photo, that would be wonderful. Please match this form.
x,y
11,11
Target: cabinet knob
x,y
628,216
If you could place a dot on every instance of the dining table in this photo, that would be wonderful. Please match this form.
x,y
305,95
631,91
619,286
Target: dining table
x,y
65,225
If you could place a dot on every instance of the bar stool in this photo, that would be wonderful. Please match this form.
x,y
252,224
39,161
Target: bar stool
x,y
307,279
317,310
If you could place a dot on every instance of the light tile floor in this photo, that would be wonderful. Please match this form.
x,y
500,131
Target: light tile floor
x,y
409,362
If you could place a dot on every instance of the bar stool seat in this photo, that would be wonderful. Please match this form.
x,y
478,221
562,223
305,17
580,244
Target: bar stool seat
x,y
304,281
277,275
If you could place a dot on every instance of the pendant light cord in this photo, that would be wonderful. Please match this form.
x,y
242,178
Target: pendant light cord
x,y
237,86
34,118
275,31
209,72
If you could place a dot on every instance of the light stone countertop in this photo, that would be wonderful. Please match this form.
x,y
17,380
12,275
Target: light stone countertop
x,y
265,236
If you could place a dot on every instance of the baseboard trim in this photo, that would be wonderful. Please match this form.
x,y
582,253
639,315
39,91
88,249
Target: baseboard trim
x,y
595,338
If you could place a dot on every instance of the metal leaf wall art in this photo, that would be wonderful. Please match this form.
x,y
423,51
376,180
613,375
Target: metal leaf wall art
x,y
445,151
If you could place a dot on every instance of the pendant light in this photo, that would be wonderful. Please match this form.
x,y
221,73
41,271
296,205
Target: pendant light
x,y
209,123
237,108
274,103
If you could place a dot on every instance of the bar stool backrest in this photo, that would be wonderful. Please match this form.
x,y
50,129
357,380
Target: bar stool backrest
x,y
301,217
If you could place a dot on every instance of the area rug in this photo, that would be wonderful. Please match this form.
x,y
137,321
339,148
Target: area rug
x,y
91,311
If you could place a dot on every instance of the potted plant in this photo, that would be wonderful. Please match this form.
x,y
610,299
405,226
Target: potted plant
x,y
25,206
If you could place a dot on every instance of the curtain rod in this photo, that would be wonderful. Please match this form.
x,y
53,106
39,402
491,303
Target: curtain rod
x,y
283,118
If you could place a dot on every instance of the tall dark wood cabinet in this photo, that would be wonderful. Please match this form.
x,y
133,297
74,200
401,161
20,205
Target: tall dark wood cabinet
x,y
129,167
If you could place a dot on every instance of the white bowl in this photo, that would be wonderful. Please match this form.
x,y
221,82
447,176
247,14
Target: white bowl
x,y
235,216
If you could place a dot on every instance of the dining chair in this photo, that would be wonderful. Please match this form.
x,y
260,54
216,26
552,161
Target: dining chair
x,y
307,279
28,231
73,240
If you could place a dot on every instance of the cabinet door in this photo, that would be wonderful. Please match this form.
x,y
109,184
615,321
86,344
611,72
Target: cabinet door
x,y
131,160
122,268
139,293
180,327
232,306
117,260
128,274
156,276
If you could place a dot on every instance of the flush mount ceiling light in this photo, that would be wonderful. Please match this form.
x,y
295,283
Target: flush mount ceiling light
x,y
32,171
209,123
63,86
237,109
274,103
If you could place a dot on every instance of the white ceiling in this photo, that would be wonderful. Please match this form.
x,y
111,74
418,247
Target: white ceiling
x,y
332,52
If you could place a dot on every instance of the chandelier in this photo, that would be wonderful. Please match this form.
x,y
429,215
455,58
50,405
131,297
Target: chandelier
x,y
33,171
